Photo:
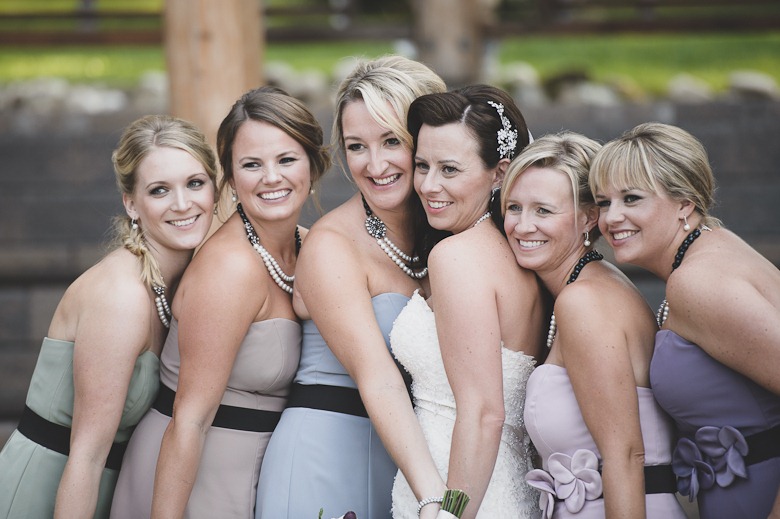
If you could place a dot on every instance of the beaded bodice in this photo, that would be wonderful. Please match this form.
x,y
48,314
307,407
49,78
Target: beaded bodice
x,y
415,344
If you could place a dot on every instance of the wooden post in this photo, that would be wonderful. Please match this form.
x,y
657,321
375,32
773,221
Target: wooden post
x,y
214,52
448,34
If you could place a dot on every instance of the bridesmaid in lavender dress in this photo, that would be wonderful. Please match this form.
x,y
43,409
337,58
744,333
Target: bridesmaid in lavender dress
x,y
605,444
715,367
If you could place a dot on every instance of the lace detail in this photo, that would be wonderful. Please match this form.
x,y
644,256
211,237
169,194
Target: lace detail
x,y
415,344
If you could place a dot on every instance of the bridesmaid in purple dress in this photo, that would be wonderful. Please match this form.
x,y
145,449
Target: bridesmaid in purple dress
x,y
604,443
715,366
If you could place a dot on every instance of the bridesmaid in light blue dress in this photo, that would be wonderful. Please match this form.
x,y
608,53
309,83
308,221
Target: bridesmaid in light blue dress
x,y
352,279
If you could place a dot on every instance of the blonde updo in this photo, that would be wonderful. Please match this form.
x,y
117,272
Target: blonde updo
x,y
659,158
139,139
567,152
387,85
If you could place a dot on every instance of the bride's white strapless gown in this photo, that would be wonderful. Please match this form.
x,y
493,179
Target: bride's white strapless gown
x,y
415,344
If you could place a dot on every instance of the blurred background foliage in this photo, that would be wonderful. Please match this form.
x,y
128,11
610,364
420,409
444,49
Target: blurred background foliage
x,y
649,60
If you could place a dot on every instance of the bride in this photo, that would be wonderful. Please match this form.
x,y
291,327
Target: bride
x,y
472,344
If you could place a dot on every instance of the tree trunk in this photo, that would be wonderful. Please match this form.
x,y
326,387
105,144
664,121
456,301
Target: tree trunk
x,y
214,51
448,34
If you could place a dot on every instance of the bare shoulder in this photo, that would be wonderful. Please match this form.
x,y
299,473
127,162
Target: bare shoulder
x,y
303,232
108,299
483,253
462,248
605,298
722,264
585,299
334,236
723,286
227,254
114,281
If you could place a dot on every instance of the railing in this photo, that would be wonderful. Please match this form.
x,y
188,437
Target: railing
x,y
603,16
319,21
347,20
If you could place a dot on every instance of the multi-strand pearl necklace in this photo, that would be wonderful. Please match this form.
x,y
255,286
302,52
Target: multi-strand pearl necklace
x,y
378,230
161,302
592,255
663,310
283,280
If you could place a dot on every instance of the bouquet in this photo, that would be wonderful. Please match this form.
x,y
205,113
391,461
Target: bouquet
x,y
453,505
348,515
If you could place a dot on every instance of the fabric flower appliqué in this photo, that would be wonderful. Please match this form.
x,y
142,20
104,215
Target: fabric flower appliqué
x,y
572,479
726,448
716,456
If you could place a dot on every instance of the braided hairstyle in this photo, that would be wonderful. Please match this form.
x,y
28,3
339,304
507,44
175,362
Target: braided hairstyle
x,y
138,140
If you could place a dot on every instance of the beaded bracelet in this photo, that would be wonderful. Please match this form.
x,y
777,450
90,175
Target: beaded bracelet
x,y
427,501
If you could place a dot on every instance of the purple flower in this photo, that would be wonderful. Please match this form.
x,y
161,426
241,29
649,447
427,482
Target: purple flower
x,y
691,470
716,456
726,449
541,480
573,479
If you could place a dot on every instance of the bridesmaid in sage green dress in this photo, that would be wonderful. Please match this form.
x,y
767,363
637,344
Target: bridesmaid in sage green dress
x,y
97,372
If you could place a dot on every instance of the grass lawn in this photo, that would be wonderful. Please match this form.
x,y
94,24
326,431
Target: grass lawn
x,y
648,60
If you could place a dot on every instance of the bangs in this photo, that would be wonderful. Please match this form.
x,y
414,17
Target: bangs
x,y
623,165
386,112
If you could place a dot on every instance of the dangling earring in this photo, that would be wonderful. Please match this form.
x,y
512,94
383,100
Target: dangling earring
x,y
587,239
686,227
234,198
134,224
493,195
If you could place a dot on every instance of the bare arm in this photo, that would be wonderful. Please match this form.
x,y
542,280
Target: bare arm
x,y
593,343
112,332
775,513
730,320
329,264
470,340
216,310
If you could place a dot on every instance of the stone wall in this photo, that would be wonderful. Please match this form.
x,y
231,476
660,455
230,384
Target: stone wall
x,y
57,196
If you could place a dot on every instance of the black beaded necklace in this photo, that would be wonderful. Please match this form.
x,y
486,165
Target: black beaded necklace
x,y
592,255
663,310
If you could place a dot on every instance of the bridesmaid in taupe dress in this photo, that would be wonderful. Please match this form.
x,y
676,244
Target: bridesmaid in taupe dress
x,y
234,342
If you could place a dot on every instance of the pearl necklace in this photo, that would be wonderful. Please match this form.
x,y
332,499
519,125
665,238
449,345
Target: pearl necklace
x,y
482,219
377,229
592,255
283,280
663,310
163,309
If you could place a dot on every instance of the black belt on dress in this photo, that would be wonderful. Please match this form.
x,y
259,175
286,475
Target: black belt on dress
x,y
56,437
659,479
763,445
345,400
227,417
